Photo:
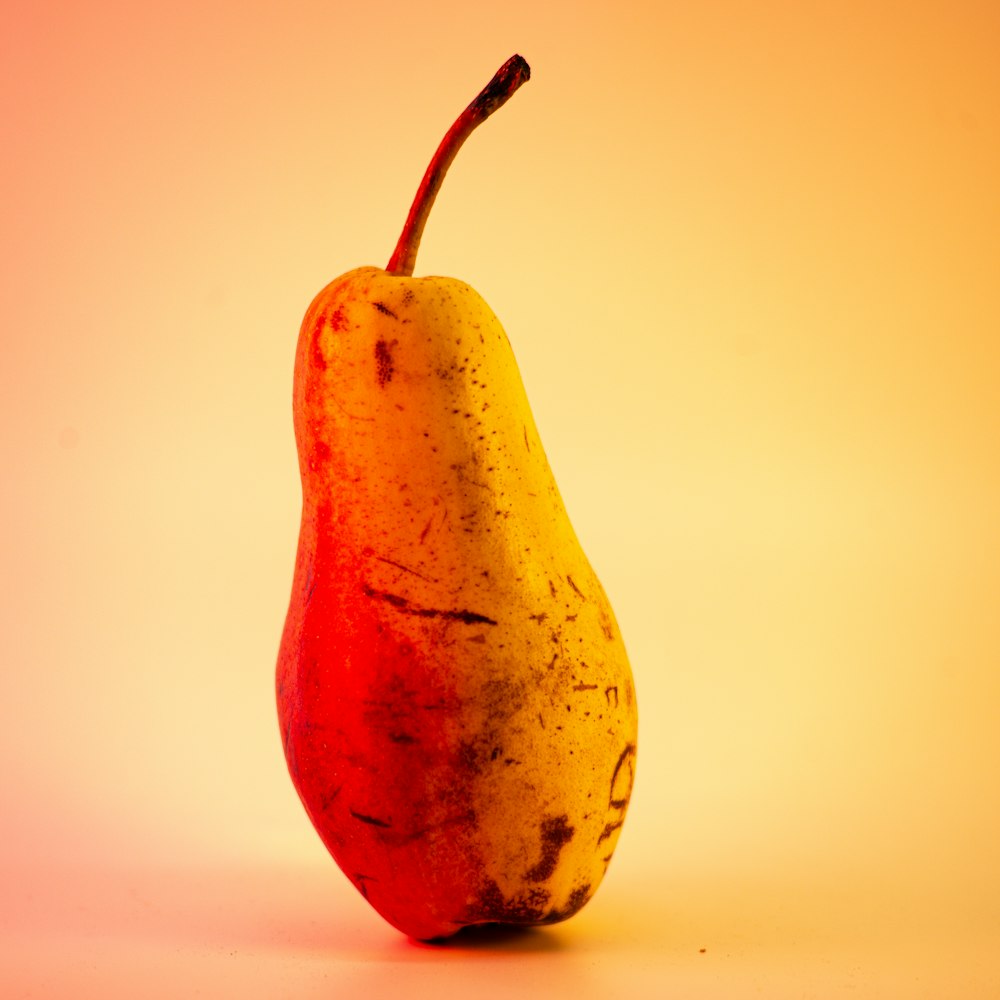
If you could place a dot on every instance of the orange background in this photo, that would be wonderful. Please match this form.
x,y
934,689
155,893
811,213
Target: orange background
x,y
748,255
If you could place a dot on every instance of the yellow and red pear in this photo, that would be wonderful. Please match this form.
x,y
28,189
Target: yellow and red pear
x,y
455,701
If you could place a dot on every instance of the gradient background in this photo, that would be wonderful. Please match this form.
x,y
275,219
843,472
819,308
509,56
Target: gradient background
x,y
748,255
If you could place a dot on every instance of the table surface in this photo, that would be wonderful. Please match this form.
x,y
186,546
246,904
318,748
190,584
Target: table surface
x,y
280,930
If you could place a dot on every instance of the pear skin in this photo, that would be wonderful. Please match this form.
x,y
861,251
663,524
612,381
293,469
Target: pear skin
x,y
454,696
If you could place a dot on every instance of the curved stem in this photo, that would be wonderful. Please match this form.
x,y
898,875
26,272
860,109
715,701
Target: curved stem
x,y
495,94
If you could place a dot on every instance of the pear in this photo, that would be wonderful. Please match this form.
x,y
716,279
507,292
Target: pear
x,y
455,701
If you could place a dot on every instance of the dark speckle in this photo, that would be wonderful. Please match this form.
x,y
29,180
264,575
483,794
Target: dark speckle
x,y
556,833
383,362
468,758
576,900
319,359
491,906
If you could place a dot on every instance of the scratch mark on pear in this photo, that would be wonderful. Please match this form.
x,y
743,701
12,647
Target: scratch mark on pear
x,y
427,527
407,569
330,797
371,820
347,413
606,628
402,605
628,776
609,829
362,881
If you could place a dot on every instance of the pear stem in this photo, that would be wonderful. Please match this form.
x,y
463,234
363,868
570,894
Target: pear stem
x,y
495,94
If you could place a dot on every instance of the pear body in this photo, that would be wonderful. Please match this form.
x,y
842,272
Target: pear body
x,y
455,701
